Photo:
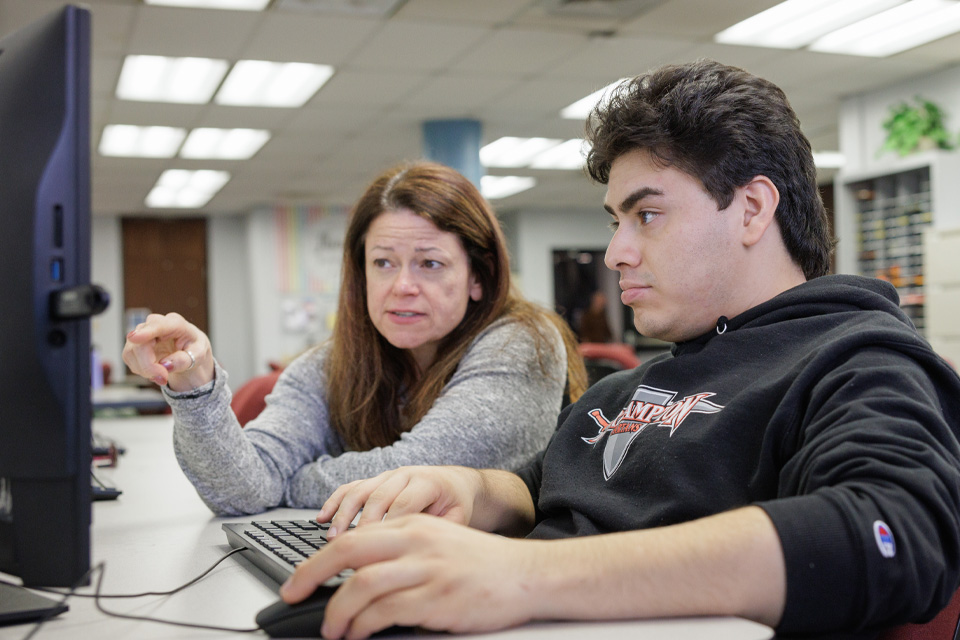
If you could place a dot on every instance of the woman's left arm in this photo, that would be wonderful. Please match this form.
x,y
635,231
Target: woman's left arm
x,y
498,410
240,471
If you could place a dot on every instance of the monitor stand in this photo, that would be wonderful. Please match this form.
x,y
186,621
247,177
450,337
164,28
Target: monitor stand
x,y
19,605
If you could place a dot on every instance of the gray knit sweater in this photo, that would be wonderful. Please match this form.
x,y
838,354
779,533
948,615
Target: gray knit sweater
x,y
498,410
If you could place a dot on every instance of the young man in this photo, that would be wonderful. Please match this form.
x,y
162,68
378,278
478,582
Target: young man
x,y
793,460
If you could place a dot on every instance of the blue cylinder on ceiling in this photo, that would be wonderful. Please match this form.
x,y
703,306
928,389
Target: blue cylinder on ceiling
x,y
455,143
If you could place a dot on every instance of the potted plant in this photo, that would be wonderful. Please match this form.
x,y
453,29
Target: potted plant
x,y
915,127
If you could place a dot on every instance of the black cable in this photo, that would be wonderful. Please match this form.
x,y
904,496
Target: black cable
x,y
146,593
97,596
176,623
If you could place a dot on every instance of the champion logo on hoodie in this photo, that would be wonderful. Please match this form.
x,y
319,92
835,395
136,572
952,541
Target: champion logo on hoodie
x,y
884,538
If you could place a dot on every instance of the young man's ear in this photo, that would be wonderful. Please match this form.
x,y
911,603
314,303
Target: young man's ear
x,y
761,198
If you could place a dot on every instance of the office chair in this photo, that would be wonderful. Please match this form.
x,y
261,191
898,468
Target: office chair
x,y
250,399
603,358
619,353
946,626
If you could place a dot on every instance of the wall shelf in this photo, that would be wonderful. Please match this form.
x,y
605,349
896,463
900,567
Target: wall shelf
x,y
884,214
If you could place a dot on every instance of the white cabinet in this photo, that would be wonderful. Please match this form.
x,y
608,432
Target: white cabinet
x,y
942,255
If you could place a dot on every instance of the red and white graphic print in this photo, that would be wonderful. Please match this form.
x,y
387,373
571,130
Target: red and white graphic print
x,y
649,406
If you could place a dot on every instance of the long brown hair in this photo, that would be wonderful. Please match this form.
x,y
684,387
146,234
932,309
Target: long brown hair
x,y
374,392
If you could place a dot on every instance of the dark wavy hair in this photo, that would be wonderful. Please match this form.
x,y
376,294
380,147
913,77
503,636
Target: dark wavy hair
x,y
374,392
723,126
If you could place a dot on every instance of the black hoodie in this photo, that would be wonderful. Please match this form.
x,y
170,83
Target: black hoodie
x,y
824,407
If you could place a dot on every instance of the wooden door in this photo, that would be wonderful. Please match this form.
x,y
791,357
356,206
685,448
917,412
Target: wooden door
x,y
165,267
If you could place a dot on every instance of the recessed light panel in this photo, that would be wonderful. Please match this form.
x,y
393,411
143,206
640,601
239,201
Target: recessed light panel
x,y
182,189
571,154
240,5
258,83
904,27
163,79
511,152
126,140
536,153
875,28
580,109
797,23
223,144
494,187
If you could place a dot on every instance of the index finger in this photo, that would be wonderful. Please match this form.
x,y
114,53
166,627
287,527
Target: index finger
x,y
334,503
372,496
160,327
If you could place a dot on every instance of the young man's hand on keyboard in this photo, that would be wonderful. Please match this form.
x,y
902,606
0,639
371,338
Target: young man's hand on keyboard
x,y
423,571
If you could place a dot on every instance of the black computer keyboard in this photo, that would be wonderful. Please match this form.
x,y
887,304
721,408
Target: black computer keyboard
x,y
276,547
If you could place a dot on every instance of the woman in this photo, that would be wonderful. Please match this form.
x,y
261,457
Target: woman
x,y
434,359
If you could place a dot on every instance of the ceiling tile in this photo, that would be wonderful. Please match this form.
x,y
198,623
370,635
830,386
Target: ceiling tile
x,y
695,19
486,12
400,45
547,96
619,57
364,89
457,95
498,53
203,33
298,37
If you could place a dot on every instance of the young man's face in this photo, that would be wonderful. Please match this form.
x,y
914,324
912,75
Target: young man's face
x,y
676,253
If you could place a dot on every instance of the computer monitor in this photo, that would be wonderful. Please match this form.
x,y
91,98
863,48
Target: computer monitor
x,y
47,299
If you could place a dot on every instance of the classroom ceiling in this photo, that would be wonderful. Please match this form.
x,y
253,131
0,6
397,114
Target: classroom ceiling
x,y
512,64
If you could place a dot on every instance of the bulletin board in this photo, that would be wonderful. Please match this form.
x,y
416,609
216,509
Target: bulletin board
x,y
309,249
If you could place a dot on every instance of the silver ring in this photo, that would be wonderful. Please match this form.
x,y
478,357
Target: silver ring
x,y
193,361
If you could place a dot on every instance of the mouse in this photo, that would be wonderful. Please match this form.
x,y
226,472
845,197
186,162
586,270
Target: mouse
x,y
303,619
300,620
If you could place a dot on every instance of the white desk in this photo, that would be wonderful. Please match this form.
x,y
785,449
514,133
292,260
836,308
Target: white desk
x,y
159,535
121,396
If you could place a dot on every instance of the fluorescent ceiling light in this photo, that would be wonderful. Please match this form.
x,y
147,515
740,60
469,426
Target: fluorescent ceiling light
x,y
126,140
494,187
181,189
904,27
536,153
580,109
566,155
242,5
223,144
828,159
797,23
514,152
260,83
856,27
162,79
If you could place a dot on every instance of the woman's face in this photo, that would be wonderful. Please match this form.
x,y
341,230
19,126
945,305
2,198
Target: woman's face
x,y
419,282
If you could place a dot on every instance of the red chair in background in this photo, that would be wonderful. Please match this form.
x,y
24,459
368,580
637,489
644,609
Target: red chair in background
x,y
946,626
250,399
618,352
603,358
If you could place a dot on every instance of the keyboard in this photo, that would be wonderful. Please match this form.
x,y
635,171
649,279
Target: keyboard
x,y
276,547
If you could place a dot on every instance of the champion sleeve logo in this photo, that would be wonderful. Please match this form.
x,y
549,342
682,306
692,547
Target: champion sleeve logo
x,y
884,538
